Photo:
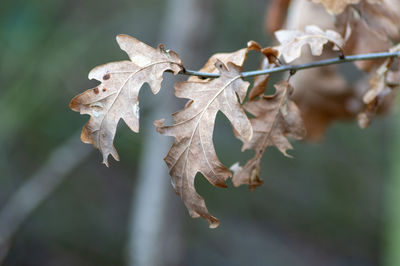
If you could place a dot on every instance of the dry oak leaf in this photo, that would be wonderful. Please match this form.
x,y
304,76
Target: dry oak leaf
x,y
276,117
379,82
261,81
117,95
383,17
292,41
193,150
237,57
375,26
382,84
336,6
323,96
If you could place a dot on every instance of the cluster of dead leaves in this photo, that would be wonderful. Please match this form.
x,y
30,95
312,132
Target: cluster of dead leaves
x,y
383,84
373,26
274,117
323,95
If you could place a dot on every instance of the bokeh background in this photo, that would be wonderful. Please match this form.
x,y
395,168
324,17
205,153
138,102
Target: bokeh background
x,y
334,203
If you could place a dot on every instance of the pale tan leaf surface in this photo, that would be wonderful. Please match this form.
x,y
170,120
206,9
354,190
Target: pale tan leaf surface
x,y
292,41
238,57
336,6
193,150
117,96
276,117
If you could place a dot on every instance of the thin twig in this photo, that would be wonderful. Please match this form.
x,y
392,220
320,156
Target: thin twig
x,y
332,61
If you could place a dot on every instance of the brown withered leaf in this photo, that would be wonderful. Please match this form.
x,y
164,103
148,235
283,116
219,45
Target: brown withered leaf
x,y
261,81
374,27
323,96
292,41
276,117
271,54
117,95
382,84
275,15
193,150
238,57
378,83
336,6
383,17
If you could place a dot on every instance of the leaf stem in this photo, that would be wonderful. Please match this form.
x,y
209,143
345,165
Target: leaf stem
x,y
332,61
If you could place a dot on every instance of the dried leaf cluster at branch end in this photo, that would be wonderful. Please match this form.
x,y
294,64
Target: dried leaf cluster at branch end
x,y
276,117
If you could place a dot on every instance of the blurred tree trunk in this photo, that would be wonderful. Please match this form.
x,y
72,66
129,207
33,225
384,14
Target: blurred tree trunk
x,y
30,195
155,233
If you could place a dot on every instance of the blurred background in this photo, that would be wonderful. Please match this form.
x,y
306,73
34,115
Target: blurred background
x,y
334,203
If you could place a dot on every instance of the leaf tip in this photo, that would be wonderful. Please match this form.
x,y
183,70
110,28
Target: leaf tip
x,y
214,223
271,54
253,45
249,133
86,135
113,153
121,37
221,184
287,155
159,123
364,120
74,104
161,47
